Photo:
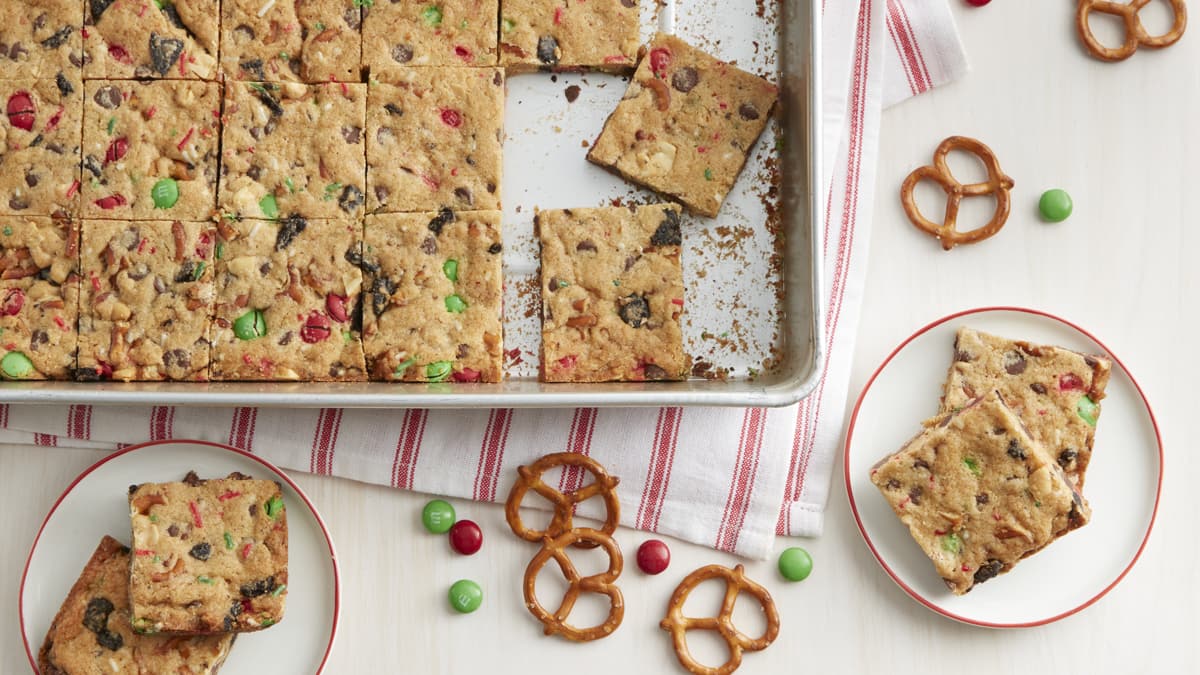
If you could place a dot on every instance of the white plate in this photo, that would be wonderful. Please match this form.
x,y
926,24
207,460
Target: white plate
x,y
95,504
1123,482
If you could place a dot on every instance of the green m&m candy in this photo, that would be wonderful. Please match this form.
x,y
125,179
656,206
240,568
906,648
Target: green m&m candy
x,y
795,564
250,325
466,596
165,193
438,516
15,365
1055,205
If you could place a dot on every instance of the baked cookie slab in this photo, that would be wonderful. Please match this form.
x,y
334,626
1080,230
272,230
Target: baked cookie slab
x,y
686,124
39,297
310,41
39,146
39,39
92,634
146,300
293,148
432,309
1056,392
434,139
447,33
978,493
547,34
209,556
288,301
612,294
150,149
127,39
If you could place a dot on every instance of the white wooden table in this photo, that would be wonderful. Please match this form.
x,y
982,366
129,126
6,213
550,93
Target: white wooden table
x,y
1123,140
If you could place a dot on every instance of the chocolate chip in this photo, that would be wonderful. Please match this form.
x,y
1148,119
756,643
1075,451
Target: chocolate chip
x,y
393,109
893,484
192,479
92,165
988,570
572,93
95,616
3,49
463,351
1014,363
286,338
547,49
254,589
40,22
495,248
629,3
253,510
633,310
254,173
173,530
173,16
64,85
654,372
108,97
38,338
963,357
160,285
87,375
352,134
201,551
747,111
289,228
402,53
381,194
1015,450
668,232
17,204
351,199
77,59
17,50
352,17
109,640
444,217
177,360
381,294
497,79
1066,457
384,135
269,101
586,245
982,498
243,34
98,7
429,246
236,608
130,238
915,495
164,52
254,67
187,272
55,41
31,179
491,188
1038,387
1090,361
685,79
354,257
464,195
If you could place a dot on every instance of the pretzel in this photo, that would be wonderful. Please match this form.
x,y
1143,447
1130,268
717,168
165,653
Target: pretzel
x,y
597,583
735,583
997,183
530,478
1135,32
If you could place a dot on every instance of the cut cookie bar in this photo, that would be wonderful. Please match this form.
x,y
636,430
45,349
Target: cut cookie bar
x,y
448,33
39,146
434,138
612,294
433,300
150,149
311,41
174,40
288,301
210,556
293,148
686,124
597,34
1056,392
147,298
91,632
978,493
39,297
39,39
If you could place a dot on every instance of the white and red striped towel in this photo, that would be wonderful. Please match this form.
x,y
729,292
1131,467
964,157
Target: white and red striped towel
x,y
729,479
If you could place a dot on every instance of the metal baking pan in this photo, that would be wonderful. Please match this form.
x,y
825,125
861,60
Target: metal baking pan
x,y
752,275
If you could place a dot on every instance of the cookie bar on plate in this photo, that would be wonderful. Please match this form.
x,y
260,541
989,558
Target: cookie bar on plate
x,y
978,493
41,39
127,39
39,146
599,35
612,294
1056,392
312,41
447,33
39,297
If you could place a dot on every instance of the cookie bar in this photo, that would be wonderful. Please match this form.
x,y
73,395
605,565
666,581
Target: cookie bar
x,y
448,33
433,296
288,301
210,556
612,294
312,41
39,39
39,297
39,146
91,632
978,493
293,148
599,34
146,299
686,124
150,149
1056,392
127,39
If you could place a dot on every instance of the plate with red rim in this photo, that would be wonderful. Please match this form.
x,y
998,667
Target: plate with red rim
x,y
1124,478
96,504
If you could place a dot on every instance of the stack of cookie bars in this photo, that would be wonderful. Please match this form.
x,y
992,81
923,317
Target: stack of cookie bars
x,y
274,190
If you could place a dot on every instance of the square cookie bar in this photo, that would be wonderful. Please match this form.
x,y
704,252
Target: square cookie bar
x,y
39,297
978,493
1056,392
39,39
686,124
91,632
311,41
598,34
288,301
210,556
612,294
434,296
447,33
146,300
293,148
174,40
39,146
434,139
150,149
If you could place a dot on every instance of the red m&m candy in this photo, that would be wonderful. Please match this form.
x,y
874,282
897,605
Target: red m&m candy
x,y
978,3
653,556
466,537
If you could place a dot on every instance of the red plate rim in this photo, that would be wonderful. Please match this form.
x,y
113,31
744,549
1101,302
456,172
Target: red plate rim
x,y
854,507
337,580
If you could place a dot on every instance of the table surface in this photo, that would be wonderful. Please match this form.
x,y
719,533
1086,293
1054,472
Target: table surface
x,y
1121,139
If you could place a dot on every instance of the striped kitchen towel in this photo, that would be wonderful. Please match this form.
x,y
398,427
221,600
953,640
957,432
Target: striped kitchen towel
x,y
727,478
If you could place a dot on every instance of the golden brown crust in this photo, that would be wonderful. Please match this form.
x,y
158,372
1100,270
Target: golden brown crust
x,y
939,172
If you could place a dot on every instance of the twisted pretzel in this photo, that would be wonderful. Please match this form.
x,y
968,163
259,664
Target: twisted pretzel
x,y
735,583
1135,32
597,583
997,183
530,478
